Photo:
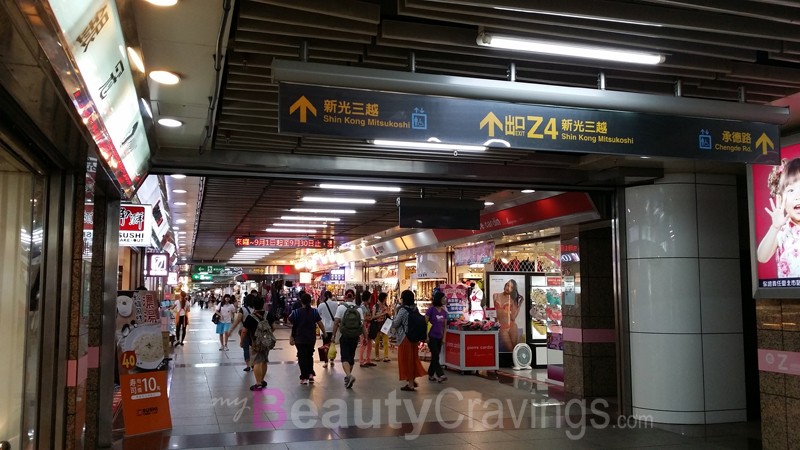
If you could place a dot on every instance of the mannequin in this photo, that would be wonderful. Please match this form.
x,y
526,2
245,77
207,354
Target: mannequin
x,y
475,301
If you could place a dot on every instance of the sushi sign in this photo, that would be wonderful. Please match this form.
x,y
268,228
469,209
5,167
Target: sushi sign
x,y
135,225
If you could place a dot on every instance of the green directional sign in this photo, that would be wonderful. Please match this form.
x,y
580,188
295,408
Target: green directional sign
x,y
201,277
215,269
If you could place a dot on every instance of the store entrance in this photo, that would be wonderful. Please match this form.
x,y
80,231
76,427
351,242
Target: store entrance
x,y
21,237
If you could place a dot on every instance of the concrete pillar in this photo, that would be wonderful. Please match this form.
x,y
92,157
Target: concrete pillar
x,y
684,300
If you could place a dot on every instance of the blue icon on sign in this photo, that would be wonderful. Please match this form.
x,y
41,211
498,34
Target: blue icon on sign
x,y
705,140
419,120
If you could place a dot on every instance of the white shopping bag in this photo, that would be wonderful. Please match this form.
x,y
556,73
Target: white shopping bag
x,y
387,325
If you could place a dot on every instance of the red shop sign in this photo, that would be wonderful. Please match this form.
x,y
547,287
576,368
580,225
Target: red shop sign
x,y
284,242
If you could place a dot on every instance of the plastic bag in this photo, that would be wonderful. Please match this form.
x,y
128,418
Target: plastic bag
x,y
332,352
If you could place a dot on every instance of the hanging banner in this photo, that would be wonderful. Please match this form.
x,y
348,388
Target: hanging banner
x,y
135,225
285,242
474,254
372,115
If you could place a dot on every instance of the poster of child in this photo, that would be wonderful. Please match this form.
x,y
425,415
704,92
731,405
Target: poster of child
x,y
776,191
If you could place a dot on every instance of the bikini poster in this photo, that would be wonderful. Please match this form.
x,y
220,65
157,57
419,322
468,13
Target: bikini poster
x,y
776,216
506,303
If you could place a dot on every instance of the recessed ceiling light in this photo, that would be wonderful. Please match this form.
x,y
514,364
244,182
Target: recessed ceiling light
x,y
175,228
164,77
163,2
645,157
290,230
360,201
170,123
353,187
528,191
135,59
179,203
488,203
178,176
311,219
179,191
180,221
181,232
298,225
377,237
329,211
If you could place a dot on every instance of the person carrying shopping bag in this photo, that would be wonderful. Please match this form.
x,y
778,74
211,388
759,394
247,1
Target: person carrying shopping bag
x,y
379,315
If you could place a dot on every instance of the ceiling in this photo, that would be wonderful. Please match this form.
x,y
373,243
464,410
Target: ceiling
x,y
716,50
184,206
238,207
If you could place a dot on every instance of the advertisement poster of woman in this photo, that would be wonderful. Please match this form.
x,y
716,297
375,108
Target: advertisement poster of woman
x,y
508,304
776,198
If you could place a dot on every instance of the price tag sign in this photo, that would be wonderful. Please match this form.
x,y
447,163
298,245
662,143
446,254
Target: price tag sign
x,y
128,360
145,405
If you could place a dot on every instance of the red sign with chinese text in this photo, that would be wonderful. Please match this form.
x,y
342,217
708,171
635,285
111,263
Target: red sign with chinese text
x,y
480,350
554,281
145,405
285,242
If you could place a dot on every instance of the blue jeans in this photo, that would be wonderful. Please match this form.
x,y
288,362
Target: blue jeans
x,y
246,346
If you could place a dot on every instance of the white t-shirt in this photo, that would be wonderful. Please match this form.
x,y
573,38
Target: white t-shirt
x,y
227,312
341,309
181,310
327,319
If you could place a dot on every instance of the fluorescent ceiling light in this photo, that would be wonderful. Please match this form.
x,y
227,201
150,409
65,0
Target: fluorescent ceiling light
x,y
178,176
328,211
290,231
488,203
163,2
181,232
242,262
311,219
353,187
179,191
179,203
578,16
180,221
170,123
135,59
164,77
146,105
259,249
298,225
567,49
528,191
360,201
429,145
377,237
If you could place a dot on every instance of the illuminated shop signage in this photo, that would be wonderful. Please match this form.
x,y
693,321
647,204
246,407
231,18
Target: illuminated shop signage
x,y
158,265
110,107
172,279
284,243
135,226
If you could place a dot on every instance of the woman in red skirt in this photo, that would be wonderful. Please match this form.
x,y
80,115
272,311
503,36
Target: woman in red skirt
x,y
408,354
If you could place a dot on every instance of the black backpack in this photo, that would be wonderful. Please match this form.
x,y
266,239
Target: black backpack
x,y
416,328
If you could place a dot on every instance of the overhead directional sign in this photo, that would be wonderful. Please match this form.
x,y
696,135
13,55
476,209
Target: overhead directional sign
x,y
285,242
359,114
202,277
215,268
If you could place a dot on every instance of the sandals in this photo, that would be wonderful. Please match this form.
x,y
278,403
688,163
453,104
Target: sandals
x,y
258,387
387,360
406,388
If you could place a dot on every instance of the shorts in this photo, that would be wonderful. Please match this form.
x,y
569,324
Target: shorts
x,y
260,357
347,350
223,327
327,338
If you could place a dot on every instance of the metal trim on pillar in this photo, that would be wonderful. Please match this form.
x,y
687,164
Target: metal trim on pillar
x,y
619,253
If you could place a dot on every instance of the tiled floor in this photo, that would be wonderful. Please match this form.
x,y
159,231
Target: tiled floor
x,y
213,408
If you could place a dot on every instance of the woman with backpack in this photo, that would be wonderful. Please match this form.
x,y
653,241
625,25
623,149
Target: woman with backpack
x,y
411,330
260,327
244,341
305,321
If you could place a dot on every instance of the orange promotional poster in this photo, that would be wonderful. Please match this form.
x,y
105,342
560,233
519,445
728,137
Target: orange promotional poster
x,y
145,402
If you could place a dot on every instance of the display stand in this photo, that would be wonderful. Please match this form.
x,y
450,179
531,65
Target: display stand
x,y
471,350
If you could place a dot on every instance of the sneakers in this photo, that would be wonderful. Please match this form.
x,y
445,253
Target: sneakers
x,y
226,348
221,348
442,378
348,383
304,382
311,378
325,365
247,369
431,378
258,387
370,364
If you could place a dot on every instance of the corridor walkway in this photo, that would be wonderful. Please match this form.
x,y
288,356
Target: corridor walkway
x,y
213,408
